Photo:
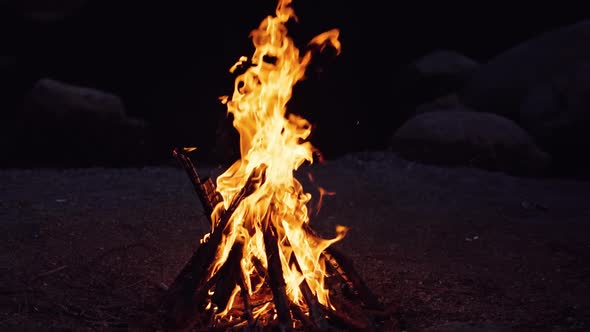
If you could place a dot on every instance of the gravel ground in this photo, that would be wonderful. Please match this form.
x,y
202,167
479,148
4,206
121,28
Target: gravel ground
x,y
446,249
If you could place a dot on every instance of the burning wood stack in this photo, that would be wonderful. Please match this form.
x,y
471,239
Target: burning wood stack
x,y
262,265
197,299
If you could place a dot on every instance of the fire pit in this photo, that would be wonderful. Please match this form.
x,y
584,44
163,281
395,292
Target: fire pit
x,y
262,265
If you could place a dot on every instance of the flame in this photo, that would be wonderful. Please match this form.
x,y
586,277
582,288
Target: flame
x,y
271,137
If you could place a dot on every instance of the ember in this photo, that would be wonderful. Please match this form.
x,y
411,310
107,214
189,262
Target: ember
x,y
262,264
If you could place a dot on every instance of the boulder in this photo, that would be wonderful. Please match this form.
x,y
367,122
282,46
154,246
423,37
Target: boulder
x,y
434,75
79,126
467,138
559,104
47,11
57,101
446,103
557,113
500,85
445,63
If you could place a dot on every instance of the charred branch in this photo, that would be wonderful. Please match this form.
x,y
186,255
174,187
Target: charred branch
x,y
316,310
307,323
275,274
229,277
345,269
355,283
205,189
260,268
244,293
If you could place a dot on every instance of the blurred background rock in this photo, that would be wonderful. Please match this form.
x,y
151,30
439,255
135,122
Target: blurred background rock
x,y
120,83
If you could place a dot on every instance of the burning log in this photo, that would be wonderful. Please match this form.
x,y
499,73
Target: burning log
x,y
316,310
248,315
229,276
180,301
275,273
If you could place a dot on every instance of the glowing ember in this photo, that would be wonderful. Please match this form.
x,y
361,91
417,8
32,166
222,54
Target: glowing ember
x,y
272,139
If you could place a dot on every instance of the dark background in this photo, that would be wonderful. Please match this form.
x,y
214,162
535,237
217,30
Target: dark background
x,y
91,249
169,61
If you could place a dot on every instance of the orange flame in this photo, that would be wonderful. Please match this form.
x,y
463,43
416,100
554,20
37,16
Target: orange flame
x,y
268,136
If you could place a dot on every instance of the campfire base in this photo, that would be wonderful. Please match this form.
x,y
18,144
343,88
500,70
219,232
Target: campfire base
x,y
183,309
197,300
347,315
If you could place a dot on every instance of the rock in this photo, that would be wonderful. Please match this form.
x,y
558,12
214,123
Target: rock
x,y
47,11
559,104
557,113
446,103
542,84
436,74
72,125
467,138
500,85
59,101
445,62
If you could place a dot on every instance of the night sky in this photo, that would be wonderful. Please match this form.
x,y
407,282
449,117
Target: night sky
x,y
169,61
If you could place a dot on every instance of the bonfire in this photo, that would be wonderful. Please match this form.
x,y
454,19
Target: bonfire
x,y
262,264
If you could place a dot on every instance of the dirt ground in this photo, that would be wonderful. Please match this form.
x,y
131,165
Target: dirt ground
x,y
446,249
